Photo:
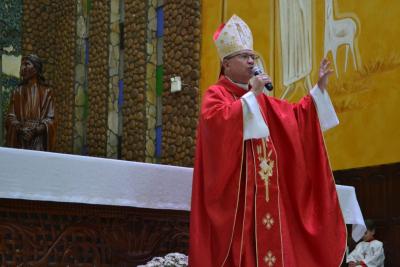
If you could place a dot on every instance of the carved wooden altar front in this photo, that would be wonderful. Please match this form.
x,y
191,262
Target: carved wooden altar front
x,y
37,233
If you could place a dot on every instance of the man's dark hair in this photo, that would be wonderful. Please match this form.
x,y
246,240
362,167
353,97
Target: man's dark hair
x,y
370,224
38,65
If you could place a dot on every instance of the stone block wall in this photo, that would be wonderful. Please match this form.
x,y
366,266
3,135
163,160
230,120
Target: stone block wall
x,y
48,30
98,78
110,63
181,58
134,106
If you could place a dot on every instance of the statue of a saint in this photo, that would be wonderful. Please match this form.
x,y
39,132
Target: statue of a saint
x,y
30,122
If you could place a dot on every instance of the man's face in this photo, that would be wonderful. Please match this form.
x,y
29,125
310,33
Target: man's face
x,y
27,70
369,235
239,67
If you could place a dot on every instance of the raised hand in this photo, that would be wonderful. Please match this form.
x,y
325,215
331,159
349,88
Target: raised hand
x,y
324,72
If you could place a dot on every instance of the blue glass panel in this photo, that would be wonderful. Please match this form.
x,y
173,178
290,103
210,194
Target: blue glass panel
x,y
160,22
158,141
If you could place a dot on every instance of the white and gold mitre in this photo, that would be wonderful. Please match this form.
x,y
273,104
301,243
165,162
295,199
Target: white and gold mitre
x,y
232,37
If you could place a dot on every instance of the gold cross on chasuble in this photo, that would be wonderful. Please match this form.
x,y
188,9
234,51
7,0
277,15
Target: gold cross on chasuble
x,y
266,166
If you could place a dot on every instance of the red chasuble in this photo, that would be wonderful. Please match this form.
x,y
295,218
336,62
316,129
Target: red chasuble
x,y
263,202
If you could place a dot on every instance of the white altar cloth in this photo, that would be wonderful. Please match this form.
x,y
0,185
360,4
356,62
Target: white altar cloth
x,y
45,176
35,175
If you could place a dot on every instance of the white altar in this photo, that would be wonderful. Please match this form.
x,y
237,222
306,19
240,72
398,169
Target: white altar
x,y
45,176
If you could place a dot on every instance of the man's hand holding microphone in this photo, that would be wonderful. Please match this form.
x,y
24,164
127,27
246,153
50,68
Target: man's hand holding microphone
x,y
260,81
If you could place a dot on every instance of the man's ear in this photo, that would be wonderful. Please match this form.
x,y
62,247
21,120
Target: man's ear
x,y
225,63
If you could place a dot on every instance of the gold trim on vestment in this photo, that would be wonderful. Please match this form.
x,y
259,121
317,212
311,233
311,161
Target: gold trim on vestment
x,y
255,203
244,207
269,138
237,201
279,203
266,166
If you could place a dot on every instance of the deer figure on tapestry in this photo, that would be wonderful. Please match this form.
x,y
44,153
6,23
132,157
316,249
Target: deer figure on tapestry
x,y
339,32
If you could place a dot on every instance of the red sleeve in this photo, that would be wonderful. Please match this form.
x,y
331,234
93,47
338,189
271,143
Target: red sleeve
x,y
216,178
310,206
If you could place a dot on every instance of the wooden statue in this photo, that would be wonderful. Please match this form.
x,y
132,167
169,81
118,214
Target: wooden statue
x,y
30,121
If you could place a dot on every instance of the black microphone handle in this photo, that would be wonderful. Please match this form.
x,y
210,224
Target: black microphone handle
x,y
269,86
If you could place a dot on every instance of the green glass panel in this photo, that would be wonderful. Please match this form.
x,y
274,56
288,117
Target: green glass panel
x,y
159,79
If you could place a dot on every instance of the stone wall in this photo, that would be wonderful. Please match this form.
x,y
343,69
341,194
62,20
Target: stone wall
x,y
98,78
151,69
81,70
110,63
134,107
181,58
48,30
114,50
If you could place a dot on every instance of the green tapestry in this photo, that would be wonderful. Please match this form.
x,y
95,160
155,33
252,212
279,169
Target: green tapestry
x,y
10,25
10,44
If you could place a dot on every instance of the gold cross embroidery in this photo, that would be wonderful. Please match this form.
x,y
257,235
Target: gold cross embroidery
x,y
266,167
268,221
269,259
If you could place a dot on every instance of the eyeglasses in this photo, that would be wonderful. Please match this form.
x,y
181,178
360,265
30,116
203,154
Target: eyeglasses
x,y
245,56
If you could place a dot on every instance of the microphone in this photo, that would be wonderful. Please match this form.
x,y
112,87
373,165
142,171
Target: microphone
x,y
256,71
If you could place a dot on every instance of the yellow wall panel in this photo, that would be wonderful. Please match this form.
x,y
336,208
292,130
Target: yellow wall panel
x,y
212,17
367,99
